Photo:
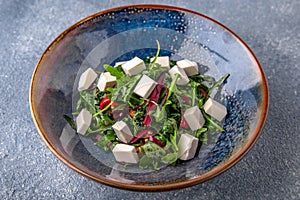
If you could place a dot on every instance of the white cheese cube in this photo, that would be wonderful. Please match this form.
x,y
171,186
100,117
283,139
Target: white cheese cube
x,y
106,80
187,146
215,109
69,139
163,61
122,131
83,121
194,118
86,79
119,63
134,66
183,79
125,153
190,67
145,86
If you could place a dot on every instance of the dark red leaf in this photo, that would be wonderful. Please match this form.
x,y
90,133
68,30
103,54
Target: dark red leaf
x,y
157,141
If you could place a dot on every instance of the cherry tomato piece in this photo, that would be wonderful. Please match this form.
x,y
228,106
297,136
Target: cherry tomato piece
x,y
104,102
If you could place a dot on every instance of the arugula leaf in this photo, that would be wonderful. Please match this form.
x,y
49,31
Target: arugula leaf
x,y
124,88
202,134
172,88
78,105
111,135
173,109
173,139
152,64
172,63
114,71
101,129
201,103
200,131
201,78
105,139
152,157
153,151
203,138
88,100
107,118
169,127
145,162
218,83
70,121
169,158
103,142
211,123
130,87
194,85
137,119
155,72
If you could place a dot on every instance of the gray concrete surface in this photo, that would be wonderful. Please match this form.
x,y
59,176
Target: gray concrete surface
x,y
271,170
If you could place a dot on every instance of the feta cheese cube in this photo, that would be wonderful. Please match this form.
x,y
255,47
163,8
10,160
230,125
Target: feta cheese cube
x,y
86,79
122,131
163,61
134,66
68,139
106,80
215,109
187,146
83,121
125,153
194,118
145,86
119,63
190,67
183,79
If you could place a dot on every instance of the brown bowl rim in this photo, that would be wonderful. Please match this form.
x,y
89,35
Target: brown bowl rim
x,y
164,186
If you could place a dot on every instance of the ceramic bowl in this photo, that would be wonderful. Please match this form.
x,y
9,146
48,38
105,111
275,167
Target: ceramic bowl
x,y
120,34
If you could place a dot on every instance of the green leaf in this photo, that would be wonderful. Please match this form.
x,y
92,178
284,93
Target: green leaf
x,y
124,88
203,138
173,139
103,143
201,77
169,127
169,158
111,90
88,100
217,84
211,123
172,63
130,87
109,136
114,71
145,162
152,64
168,102
154,151
70,121
200,131
107,118
201,103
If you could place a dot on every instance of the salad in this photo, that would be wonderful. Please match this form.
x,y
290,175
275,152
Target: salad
x,y
150,112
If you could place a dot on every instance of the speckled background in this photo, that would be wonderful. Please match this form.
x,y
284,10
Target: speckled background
x,y
271,170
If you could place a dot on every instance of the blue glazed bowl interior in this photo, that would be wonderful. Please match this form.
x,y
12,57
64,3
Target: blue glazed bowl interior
x,y
120,34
